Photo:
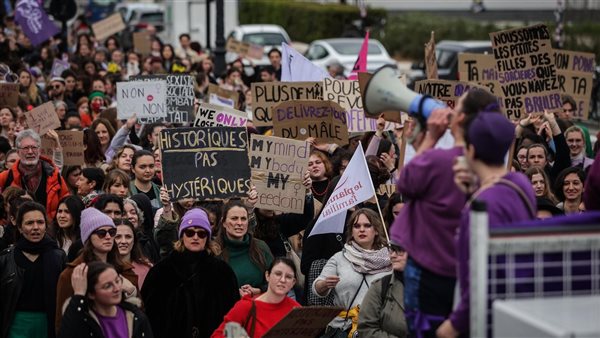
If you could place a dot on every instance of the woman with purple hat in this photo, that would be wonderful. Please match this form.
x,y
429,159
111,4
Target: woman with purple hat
x,y
189,291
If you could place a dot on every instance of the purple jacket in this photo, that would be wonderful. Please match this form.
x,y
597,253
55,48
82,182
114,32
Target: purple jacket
x,y
426,226
504,206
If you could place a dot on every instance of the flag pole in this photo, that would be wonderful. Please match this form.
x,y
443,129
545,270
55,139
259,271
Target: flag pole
x,y
387,236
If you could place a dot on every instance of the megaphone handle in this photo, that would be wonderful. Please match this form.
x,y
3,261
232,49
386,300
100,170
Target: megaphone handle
x,y
420,113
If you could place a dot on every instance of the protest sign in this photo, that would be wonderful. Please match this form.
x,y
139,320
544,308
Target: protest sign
x,y
9,94
386,190
34,21
268,94
526,71
392,116
296,68
205,162
575,71
72,145
222,93
145,99
211,115
481,69
221,101
301,119
142,42
278,167
42,118
430,59
303,322
446,91
180,97
246,49
109,26
347,94
58,67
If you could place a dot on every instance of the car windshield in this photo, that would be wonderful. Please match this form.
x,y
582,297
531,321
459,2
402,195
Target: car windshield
x,y
264,39
352,48
152,17
444,58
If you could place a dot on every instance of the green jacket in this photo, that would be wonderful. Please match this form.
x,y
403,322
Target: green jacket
x,y
239,259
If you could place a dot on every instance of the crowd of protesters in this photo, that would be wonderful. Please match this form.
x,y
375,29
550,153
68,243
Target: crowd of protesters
x,y
99,250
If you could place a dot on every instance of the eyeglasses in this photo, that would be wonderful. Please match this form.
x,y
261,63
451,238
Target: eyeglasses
x,y
29,148
190,233
56,87
102,232
396,249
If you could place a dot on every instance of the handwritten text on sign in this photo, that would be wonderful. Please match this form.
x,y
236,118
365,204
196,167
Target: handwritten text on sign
x,y
278,167
205,162
446,91
143,98
299,120
268,94
526,71
43,118
212,115
575,71
180,97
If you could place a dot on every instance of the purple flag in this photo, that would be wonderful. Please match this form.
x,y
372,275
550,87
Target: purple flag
x,y
34,21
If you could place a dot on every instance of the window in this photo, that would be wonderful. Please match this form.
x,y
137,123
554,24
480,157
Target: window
x,y
316,52
353,47
264,39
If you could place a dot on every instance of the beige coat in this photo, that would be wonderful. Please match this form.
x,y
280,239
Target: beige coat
x,y
381,317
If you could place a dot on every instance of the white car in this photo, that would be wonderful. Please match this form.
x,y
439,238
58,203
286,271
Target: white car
x,y
345,52
268,36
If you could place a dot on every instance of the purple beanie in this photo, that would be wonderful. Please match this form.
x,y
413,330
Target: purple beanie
x,y
195,218
491,134
91,220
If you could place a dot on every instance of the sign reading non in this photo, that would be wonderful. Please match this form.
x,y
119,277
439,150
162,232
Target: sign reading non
x,y
180,97
446,91
278,167
301,119
42,118
205,162
109,26
145,99
526,71
347,94
268,94
575,71
211,115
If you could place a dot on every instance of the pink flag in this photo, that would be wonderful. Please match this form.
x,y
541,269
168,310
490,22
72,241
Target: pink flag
x,y
360,66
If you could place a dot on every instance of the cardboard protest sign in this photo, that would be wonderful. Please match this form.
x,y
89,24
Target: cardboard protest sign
x,y
526,71
142,42
481,69
211,115
223,93
9,94
392,116
278,165
303,322
205,162
109,26
72,145
301,119
446,91
386,189
180,97
246,49
347,94
430,59
221,101
42,118
143,98
58,67
268,94
575,72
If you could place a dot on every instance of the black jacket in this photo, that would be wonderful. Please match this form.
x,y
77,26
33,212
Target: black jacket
x,y
79,321
11,281
188,294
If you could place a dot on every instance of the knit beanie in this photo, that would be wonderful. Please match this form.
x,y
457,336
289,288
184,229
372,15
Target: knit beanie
x,y
91,220
195,218
94,94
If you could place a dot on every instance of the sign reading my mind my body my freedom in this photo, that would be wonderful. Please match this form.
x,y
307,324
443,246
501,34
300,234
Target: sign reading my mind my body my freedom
x,y
205,162
278,167
526,71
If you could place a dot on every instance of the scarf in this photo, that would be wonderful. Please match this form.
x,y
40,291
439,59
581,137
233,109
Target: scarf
x,y
36,248
367,261
31,177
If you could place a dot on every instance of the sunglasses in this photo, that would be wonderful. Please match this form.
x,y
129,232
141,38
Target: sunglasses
x,y
191,232
102,232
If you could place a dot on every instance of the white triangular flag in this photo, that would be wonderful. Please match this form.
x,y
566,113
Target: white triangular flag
x,y
355,186
296,68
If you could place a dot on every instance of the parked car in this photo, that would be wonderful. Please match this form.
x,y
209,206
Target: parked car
x,y
446,53
268,36
345,51
96,10
137,16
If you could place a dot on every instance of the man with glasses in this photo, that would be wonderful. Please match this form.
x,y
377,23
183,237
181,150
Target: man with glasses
x,y
34,173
